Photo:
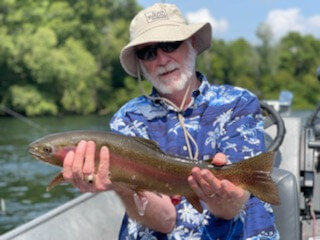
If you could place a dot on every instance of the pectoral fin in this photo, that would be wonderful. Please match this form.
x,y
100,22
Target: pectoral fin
x,y
195,202
141,202
55,181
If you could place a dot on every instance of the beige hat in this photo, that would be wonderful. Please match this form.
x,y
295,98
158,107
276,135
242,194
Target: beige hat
x,y
162,22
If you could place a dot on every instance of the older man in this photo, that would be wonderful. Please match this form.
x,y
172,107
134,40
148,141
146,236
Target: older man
x,y
187,117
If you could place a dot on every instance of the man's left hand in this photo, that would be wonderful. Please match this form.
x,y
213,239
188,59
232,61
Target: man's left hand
x,y
223,198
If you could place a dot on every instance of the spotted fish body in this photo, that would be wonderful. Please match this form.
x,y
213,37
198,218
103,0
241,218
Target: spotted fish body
x,y
142,165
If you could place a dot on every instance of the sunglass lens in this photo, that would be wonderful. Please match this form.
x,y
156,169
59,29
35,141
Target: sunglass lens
x,y
170,46
147,53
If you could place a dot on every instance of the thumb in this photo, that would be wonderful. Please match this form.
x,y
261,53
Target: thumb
x,y
219,159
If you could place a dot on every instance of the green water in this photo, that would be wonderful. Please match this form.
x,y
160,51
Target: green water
x,y
23,179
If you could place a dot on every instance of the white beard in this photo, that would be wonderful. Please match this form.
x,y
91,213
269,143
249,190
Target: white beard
x,y
177,83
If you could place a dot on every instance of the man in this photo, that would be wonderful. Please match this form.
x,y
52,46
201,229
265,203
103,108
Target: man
x,y
187,117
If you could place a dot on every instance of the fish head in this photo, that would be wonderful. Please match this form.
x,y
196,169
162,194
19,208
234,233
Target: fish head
x,y
51,149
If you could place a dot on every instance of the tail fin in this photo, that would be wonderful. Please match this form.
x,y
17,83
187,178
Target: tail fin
x,y
258,180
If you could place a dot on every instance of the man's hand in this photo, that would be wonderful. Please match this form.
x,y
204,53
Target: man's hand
x,y
222,197
159,213
80,165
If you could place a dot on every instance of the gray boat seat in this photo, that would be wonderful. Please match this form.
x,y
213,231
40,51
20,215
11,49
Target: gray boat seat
x,y
287,214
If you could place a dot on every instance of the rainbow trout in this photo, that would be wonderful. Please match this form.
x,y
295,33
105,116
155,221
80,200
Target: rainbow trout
x,y
142,165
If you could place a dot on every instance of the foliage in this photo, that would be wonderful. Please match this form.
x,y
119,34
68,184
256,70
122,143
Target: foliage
x,y
28,100
62,57
268,68
130,90
66,51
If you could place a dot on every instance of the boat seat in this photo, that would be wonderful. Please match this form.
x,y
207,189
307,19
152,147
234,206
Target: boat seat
x,y
287,214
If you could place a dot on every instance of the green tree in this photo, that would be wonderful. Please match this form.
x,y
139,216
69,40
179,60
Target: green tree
x,y
63,57
299,54
233,63
265,50
28,100
215,62
66,50
243,65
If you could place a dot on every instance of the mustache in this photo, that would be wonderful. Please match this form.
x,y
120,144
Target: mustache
x,y
169,67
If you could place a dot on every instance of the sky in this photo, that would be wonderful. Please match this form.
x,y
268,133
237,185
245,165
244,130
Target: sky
x,y
233,19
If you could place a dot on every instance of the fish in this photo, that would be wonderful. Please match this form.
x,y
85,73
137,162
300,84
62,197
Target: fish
x,y
141,165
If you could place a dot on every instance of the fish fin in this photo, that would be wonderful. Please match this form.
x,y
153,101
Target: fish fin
x,y
195,202
149,143
55,181
141,202
258,180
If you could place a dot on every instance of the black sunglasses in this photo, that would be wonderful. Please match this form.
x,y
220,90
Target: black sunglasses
x,y
149,53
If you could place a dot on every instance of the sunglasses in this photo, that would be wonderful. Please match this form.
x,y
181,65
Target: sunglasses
x,y
149,53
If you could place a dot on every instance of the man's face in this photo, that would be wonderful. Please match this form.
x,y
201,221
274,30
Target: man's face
x,y
170,71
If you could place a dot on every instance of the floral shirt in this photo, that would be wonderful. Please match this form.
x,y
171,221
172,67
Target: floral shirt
x,y
220,118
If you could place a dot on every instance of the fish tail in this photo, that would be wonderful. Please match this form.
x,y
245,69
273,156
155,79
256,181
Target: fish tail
x,y
258,180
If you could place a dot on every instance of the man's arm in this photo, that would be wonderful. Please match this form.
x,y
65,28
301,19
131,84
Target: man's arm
x,y
160,213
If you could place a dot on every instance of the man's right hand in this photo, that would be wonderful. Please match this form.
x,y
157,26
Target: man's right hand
x,y
81,163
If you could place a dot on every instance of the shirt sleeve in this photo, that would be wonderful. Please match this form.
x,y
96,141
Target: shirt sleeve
x,y
128,125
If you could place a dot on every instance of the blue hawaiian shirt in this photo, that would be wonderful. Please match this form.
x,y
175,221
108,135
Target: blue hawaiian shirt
x,y
221,118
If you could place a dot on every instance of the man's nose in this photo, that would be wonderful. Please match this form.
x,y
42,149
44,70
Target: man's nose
x,y
162,57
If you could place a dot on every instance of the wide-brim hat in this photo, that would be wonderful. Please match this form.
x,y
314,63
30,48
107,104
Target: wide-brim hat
x,y
162,22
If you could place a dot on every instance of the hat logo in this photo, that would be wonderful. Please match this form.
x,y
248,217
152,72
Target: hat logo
x,y
156,15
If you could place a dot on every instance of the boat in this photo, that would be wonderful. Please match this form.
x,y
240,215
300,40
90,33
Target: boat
x,y
283,104
89,216
296,173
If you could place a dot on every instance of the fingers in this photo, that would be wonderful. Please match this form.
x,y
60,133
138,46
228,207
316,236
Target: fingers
x,y
230,191
204,184
102,176
89,164
219,159
67,166
78,163
209,188
79,167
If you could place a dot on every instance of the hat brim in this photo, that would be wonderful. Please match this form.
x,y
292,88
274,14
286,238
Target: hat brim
x,y
166,33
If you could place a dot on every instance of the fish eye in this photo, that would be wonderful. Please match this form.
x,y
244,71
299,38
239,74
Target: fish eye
x,y
47,149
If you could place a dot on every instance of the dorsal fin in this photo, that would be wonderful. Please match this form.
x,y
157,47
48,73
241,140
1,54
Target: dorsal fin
x,y
149,143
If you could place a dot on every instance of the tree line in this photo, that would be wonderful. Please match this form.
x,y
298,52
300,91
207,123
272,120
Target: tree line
x,y
62,57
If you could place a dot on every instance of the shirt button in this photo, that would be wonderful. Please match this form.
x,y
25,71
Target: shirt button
x,y
185,148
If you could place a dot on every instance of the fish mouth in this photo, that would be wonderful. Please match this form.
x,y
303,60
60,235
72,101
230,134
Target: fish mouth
x,y
35,152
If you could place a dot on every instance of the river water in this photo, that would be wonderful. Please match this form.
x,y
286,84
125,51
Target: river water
x,y
23,179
